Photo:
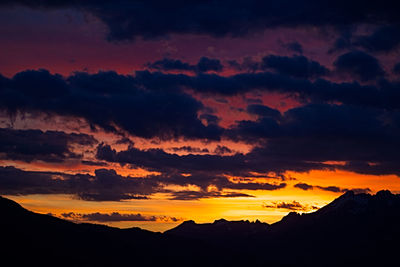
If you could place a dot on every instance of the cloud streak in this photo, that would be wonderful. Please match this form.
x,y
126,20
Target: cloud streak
x,y
116,217
334,189
292,206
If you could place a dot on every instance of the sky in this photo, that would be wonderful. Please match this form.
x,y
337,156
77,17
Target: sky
x,y
146,114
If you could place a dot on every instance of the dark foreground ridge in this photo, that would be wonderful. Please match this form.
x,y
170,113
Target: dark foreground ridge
x,y
353,230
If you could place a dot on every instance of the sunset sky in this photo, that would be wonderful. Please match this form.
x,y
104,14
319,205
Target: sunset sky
x,y
149,113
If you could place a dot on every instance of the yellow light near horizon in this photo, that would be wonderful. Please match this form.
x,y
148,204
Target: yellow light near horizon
x,y
210,209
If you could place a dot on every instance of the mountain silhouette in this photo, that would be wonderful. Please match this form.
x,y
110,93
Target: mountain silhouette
x,y
353,230
219,230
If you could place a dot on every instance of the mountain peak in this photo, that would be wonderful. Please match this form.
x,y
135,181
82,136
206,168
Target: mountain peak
x,y
348,194
384,194
188,222
220,221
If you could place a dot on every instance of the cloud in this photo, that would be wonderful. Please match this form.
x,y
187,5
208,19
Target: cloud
x,y
294,47
49,146
221,150
205,64
210,119
293,206
334,189
159,160
105,185
93,163
208,64
307,136
304,186
195,195
247,64
204,170
115,217
170,64
107,100
108,217
190,149
263,111
117,102
383,39
359,64
301,139
296,66
150,19
396,69
362,130
380,95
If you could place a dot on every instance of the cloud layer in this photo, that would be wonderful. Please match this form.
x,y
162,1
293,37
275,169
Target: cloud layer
x,y
127,20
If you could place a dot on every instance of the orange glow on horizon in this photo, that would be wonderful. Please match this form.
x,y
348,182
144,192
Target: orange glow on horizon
x,y
210,209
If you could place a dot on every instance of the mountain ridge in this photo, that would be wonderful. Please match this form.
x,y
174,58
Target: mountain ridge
x,y
359,229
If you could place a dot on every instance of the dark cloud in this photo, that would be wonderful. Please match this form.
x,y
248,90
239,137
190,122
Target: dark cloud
x,y
360,190
125,140
318,133
296,66
159,160
361,130
171,64
204,170
205,64
224,85
334,189
254,101
263,111
116,217
210,119
190,149
251,185
105,185
195,195
341,43
108,217
294,47
382,94
247,64
396,69
49,146
93,163
109,101
294,206
209,64
127,20
359,64
221,150
301,139
304,186
383,39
